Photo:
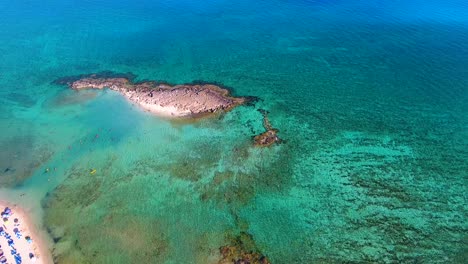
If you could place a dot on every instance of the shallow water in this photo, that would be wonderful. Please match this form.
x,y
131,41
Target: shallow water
x,y
370,98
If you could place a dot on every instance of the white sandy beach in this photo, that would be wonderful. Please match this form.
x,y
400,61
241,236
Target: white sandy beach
x,y
18,222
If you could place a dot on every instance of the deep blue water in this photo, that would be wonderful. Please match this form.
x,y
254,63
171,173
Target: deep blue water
x,y
370,97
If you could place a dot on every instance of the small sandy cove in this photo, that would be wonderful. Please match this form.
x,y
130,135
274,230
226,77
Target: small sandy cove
x,y
19,239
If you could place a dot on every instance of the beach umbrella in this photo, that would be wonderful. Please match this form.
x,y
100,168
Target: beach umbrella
x,y
32,257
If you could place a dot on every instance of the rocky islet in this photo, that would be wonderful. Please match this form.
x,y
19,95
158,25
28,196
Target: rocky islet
x,y
175,101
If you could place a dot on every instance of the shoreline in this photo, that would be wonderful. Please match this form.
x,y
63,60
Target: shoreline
x,y
27,227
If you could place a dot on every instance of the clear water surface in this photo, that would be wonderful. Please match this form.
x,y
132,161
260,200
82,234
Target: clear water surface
x,y
371,98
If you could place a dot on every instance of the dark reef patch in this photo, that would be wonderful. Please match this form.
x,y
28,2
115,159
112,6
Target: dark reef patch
x,y
242,249
20,158
81,196
21,99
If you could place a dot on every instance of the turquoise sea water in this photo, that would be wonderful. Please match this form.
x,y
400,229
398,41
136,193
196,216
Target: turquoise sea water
x,y
370,97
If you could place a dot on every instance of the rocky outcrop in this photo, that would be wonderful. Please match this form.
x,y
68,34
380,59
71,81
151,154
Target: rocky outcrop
x,y
173,101
268,137
235,255
163,99
241,249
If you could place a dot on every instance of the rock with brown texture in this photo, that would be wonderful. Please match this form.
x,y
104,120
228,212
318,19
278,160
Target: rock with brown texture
x,y
173,101
163,99
269,137
234,255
